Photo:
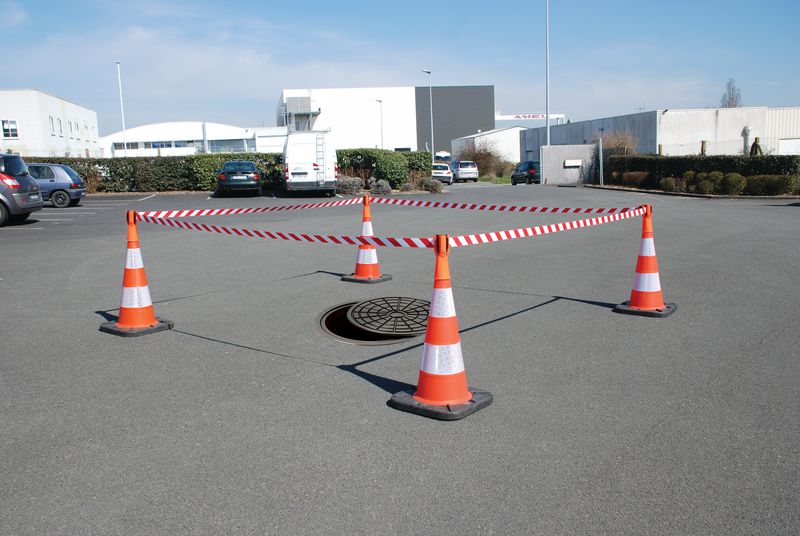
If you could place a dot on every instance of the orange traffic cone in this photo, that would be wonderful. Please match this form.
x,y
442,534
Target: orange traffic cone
x,y
367,268
442,391
646,298
136,313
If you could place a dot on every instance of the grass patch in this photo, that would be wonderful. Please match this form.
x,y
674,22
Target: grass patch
x,y
496,180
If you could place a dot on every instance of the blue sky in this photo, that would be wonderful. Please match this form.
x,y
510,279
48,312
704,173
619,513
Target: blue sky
x,y
228,61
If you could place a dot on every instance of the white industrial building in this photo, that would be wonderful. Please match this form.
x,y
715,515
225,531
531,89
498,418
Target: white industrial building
x,y
180,138
674,132
502,141
35,123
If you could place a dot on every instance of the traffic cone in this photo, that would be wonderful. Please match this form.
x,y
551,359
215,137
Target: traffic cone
x,y
136,313
646,298
442,391
367,268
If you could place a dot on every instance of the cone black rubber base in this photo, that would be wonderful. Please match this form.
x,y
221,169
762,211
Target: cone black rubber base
x,y
657,313
111,327
405,402
352,279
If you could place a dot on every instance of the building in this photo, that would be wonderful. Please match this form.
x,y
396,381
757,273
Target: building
x,y
394,118
682,132
189,137
503,141
35,123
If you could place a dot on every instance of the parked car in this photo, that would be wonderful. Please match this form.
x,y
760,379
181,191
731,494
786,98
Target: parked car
x,y
239,175
19,192
527,172
442,173
59,184
464,170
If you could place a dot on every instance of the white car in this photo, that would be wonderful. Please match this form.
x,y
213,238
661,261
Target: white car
x,y
441,172
465,170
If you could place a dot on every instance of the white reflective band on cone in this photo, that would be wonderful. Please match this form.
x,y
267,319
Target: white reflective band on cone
x,y
367,256
647,283
442,305
134,258
647,249
136,297
442,359
366,229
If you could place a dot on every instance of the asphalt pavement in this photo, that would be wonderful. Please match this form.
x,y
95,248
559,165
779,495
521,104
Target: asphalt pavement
x,y
247,419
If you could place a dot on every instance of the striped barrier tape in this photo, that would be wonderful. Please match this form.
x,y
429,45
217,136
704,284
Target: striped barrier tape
x,y
455,241
381,201
162,214
497,208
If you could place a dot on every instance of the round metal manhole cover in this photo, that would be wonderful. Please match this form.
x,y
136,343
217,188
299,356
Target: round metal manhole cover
x,y
395,316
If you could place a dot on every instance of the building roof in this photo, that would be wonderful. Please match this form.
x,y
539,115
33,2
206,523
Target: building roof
x,y
51,95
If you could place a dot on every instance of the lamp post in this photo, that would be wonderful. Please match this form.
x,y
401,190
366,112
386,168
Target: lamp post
x,y
122,112
380,103
430,96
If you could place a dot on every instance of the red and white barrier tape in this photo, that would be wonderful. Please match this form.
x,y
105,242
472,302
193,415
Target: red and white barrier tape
x,y
455,241
381,201
498,208
252,210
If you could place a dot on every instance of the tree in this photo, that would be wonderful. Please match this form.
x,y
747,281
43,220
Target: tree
x,y
732,98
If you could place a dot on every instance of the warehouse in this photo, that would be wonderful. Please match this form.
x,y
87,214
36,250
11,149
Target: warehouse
x,y
502,141
35,123
674,132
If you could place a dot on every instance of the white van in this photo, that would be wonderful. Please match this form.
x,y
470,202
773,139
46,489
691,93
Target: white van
x,y
309,162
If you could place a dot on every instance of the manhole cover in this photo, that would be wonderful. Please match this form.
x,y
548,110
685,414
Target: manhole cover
x,y
395,316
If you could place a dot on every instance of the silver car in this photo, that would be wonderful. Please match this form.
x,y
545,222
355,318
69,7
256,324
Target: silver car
x,y
465,170
19,192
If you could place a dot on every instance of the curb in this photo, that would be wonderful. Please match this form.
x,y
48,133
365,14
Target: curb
x,y
686,194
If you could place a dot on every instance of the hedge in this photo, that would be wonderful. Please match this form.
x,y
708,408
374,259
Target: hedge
x,y
198,172
676,166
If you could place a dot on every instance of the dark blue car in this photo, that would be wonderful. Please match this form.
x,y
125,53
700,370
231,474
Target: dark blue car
x,y
60,184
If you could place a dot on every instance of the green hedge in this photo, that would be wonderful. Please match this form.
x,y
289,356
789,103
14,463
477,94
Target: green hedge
x,y
158,174
676,166
198,172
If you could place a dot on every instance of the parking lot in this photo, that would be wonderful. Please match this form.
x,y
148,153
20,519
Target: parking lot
x,y
246,418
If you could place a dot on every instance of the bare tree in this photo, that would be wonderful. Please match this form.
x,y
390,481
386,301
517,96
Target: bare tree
x,y
732,98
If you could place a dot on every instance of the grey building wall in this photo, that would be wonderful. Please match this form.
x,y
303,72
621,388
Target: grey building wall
x,y
644,126
457,111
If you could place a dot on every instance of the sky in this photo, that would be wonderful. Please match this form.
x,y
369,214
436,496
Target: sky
x,y
228,61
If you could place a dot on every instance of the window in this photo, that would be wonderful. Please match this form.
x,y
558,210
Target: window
x,y
86,131
60,129
93,136
52,126
133,145
118,146
41,172
161,144
69,126
10,129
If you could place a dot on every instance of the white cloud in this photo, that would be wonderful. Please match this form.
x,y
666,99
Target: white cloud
x,y
13,14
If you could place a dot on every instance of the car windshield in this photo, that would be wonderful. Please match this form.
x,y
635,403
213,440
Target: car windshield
x,y
467,164
71,173
439,167
15,166
239,167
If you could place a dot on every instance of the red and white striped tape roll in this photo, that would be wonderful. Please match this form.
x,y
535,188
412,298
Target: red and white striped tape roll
x,y
498,208
379,200
455,241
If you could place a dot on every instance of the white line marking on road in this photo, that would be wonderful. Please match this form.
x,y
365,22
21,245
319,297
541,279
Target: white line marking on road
x,y
71,213
54,219
148,197
339,196
207,198
25,228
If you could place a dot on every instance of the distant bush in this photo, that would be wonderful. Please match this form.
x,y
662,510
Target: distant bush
x,y
418,161
349,185
634,179
391,167
771,185
431,185
705,186
732,184
676,166
380,187
668,184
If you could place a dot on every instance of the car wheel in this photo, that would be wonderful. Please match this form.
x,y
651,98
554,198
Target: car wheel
x,y
527,181
3,215
18,218
513,182
74,202
59,199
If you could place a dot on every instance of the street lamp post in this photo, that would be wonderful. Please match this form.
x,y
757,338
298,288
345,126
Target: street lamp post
x,y
430,96
122,112
380,103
